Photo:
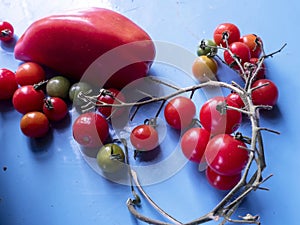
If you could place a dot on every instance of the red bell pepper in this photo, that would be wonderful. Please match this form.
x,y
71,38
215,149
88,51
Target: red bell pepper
x,y
95,44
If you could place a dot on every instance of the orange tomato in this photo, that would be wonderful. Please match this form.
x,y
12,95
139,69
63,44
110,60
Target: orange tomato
x,y
34,124
205,68
254,43
30,73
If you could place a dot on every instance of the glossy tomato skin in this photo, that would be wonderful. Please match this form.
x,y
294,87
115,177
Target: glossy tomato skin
x,y
27,99
55,108
209,48
205,68
193,144
90,130
231,29
239,49
265,95
234,97
8,84
30,73
216,122
226,155
34,125
254,43
6,31
58,86
221,182
179,112
144,137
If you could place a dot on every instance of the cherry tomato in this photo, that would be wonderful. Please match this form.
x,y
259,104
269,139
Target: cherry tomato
x,y
193,144
30,73
222,182
217,120
27,99
240,50
229,29
262,70
265,95
75,89
254,43
224,154
58,86
90,130
207,47
110,158
8,84
205,68
55,108
179,112
234,97
34,124
111,96
144,137
6,31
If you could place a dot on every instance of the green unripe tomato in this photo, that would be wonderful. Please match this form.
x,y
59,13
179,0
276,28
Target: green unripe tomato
x,y
110,158
207,47
58,86
75,89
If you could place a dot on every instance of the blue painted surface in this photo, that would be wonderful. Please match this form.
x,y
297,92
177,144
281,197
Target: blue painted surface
x,y
49,182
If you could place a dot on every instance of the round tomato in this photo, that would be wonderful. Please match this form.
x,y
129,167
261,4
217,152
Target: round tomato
x,y
207,47
264,95
27,99
222,182
90,130
179,112
8,84
144,137
226,30
234,97
30,73
216,119
205,68
240,50
34,124
58,86
261,71
6,31
226,155
254,43
193,144
55,108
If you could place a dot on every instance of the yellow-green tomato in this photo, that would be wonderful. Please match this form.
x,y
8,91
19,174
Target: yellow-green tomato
x,y
110,158
207,47
205,68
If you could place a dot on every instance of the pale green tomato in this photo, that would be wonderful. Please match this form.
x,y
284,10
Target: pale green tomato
x,y
110,158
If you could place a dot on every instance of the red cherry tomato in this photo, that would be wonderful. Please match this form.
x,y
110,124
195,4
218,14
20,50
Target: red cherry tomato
x,y
6,31
224,154
254,43
240,50
229,29
234,97
222,182
224,121
55,108
144,137
262,70
265,95
34,124
179,112
193,144
8,84
90,130
30,73
111,96
27,99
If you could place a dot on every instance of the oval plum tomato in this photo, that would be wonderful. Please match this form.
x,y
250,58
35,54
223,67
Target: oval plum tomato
x,y
8,84
193,144
6,31
264,95
261,71
179,112
205,68
90,130
144,137
254,43
58,86
34,124
216,119
222,182
240,50
226,29
234,97
111,96
207,47
30,73
110,158
55,108
27,99
225,155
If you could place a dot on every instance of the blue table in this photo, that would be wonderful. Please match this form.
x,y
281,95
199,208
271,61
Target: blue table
x,y
49,182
